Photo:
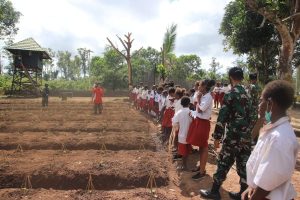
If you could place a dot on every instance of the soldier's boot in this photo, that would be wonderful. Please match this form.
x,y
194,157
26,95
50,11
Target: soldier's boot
x,y
238,195
214,193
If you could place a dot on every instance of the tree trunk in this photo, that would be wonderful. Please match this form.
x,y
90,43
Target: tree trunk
x,y
286,53
129,72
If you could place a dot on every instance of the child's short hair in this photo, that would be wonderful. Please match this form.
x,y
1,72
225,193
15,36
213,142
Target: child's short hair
x,y
179,92
208,84
185,101
281,92
160,88
171,90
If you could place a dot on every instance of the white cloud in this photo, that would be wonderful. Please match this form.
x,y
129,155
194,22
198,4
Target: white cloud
x,y
70,24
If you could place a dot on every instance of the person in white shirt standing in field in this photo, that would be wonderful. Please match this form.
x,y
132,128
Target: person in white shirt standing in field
x,y
272,162
200,127
181,122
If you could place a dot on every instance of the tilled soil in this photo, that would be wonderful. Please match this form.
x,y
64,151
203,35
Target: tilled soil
x,y
66,146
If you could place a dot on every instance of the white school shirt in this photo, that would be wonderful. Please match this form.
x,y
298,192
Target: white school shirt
x,y
157,97
272,162
206,103
217,90
152,94
169,103
162,102
184,120
194,98
177,105
144,94
139,93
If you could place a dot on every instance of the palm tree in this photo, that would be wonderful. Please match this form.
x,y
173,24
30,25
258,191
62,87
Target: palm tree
x,y
168,47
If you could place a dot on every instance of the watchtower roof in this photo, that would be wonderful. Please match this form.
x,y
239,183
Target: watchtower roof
x,y
28,44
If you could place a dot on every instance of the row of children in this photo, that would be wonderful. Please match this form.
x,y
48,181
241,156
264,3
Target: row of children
x,y
264,173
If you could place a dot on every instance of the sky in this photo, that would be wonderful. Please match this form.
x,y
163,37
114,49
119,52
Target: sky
x,y
71,24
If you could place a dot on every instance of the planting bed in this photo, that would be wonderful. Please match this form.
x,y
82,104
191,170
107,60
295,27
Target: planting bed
x,y
59,148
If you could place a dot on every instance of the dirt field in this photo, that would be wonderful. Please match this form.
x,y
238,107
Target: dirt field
x,y
59,148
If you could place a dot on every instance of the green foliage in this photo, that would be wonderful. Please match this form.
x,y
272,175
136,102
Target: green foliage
x,y
9,17
5,83
62,84
144,65
242,28
169,39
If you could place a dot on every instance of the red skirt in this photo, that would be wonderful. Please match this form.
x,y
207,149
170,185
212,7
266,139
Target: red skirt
x,y
167,118
184,149
144,103
151,103
199,132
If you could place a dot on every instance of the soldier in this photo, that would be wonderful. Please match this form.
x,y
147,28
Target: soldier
x,y
45,96
236,117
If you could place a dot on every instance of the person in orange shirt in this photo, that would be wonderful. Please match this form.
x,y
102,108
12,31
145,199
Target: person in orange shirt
x,y
97,98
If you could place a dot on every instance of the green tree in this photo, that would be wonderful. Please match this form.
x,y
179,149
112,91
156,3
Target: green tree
x,y
84,54
64,63
168,47
144,65
246,34
214,68
284,15
9,17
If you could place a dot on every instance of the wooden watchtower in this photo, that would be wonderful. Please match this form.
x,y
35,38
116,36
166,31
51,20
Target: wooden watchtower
x,y
27,70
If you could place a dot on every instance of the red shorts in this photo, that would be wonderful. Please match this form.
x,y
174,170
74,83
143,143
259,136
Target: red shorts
x,y
217,96
199,132
184,149
167,118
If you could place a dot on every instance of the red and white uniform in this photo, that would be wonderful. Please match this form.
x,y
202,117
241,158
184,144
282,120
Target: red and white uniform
x,y
169,112
183,120
200,127
217,91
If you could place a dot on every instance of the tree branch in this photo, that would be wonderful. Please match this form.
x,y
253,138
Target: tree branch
x,y
126,48
292,16
115,48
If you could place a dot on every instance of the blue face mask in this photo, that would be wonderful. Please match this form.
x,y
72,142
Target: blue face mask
x,y
268,115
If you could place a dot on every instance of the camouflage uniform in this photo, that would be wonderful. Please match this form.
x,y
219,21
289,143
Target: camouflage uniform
x,y
235,117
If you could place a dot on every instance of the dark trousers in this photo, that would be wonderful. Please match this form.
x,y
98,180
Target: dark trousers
x,y
98,108
45,101
229,154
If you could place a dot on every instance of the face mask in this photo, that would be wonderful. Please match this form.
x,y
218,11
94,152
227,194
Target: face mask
x,y
268,115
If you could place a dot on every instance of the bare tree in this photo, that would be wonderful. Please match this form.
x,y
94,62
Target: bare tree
x,y
127,44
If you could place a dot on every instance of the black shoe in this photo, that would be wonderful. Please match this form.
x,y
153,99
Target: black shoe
x,y
238,195
235,195
177,157
208,194
199,176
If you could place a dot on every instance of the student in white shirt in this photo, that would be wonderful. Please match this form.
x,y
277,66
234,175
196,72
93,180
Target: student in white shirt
x,y
168,115
272,162
200,127
177,107
194,98
157,98
181,122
